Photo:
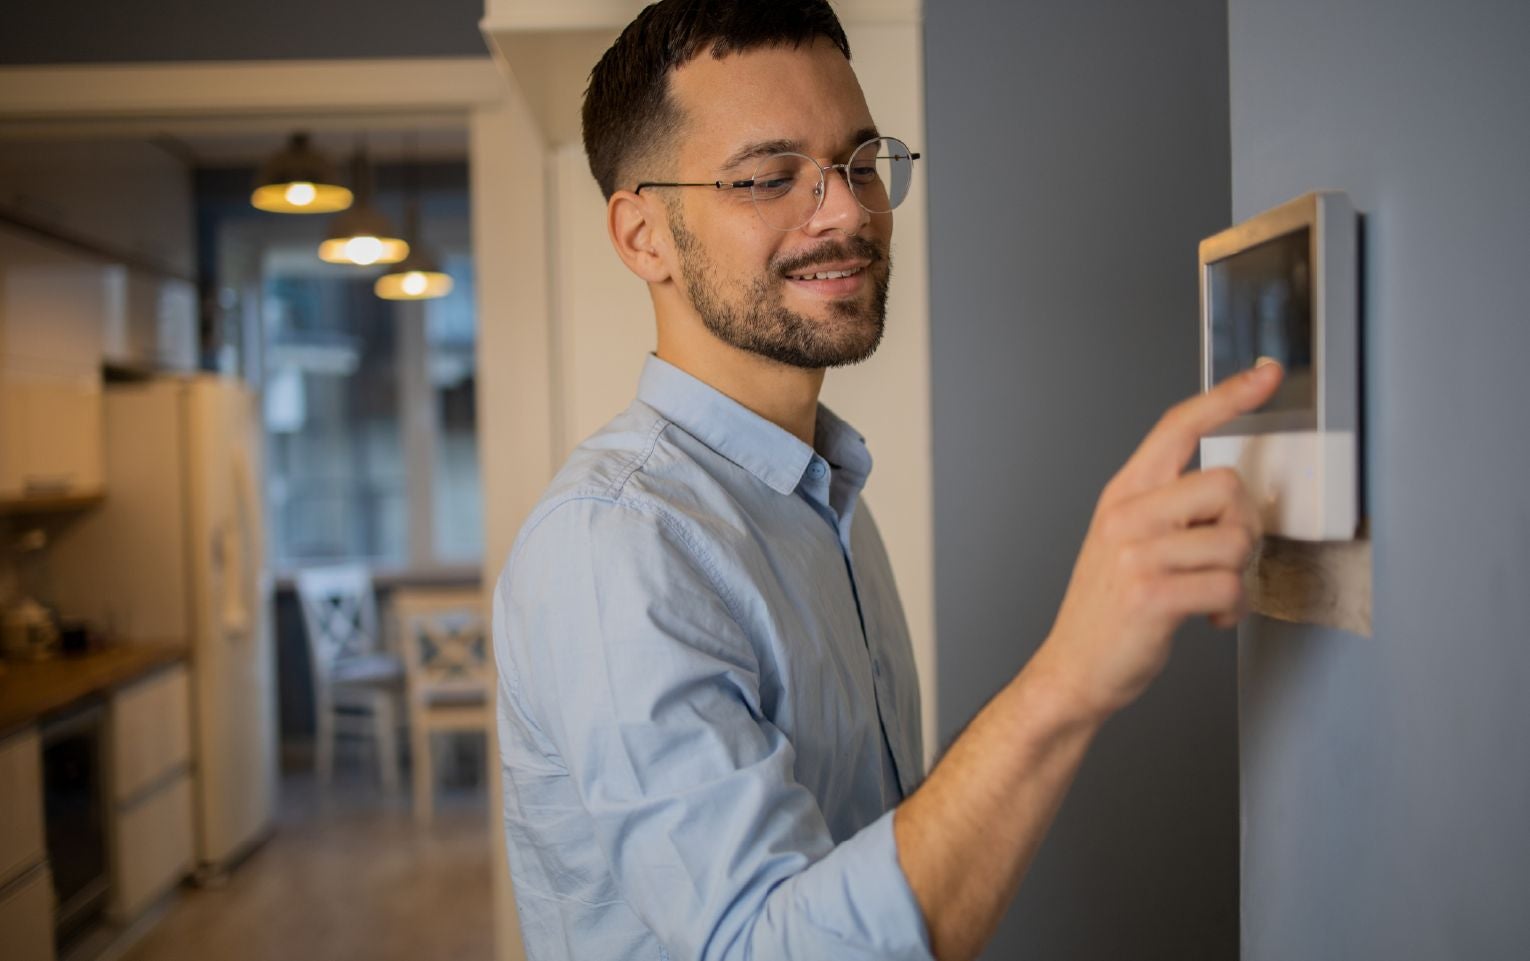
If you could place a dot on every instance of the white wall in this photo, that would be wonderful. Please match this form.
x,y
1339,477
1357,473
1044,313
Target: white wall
x,y
515,435
604,320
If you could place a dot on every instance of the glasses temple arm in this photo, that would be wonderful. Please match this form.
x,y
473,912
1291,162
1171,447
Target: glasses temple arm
x,y
715,184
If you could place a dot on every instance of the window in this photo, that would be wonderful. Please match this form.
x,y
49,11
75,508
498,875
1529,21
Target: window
x,y
370,411
337,488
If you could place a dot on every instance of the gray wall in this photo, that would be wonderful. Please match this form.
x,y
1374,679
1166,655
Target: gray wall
x,y
1077,152
1386,780
132,31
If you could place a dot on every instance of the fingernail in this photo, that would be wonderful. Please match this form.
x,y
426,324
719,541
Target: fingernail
x,y
1265,361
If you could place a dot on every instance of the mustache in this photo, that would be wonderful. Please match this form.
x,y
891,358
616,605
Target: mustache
x,y
855,248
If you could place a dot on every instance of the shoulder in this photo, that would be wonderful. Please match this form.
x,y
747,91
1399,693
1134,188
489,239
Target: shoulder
x,y
639,470
630,496
611,564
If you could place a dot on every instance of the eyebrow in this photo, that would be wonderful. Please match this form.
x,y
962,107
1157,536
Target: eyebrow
x,y
764,148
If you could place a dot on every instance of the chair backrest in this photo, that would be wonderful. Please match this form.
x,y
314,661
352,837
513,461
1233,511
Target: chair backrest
x,y
340,613
445,643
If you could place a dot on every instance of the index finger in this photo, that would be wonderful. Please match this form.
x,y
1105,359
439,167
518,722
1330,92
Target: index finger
x,y
1171,443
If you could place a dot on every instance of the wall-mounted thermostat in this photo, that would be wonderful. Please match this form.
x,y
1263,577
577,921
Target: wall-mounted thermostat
x,y
1284,285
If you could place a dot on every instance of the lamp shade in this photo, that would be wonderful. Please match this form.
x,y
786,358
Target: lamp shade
x,y
362,235
298,180
418,276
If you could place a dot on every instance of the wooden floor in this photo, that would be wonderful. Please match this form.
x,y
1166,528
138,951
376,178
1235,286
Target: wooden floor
x,y
346,877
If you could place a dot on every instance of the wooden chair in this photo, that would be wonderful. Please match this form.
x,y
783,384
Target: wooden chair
x,y
356,685
450,676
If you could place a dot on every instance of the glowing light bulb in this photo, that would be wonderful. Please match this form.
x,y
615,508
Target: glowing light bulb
x,y
301,194
414,283
363,250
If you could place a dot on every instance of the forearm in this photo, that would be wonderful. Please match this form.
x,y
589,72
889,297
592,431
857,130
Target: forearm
x,y
1162,546
967,836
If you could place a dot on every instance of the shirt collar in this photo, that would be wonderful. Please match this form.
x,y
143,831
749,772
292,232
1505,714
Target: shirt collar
x,y
842,446
763,449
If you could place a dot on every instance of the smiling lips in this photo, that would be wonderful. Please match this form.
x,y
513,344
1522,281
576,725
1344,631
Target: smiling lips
x,y
834,280
844,268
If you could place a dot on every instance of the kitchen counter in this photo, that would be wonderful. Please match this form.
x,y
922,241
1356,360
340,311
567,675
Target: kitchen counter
x,y
31,689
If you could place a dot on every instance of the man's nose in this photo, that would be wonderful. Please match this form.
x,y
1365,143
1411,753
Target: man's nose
x,y
839,210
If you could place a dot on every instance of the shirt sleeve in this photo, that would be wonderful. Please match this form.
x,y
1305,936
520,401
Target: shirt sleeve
x,y
632,664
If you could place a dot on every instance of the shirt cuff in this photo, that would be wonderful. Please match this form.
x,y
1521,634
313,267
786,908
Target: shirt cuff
x,y
868,890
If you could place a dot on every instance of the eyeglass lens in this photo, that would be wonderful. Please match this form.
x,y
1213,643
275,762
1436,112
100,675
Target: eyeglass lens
x,y
788,186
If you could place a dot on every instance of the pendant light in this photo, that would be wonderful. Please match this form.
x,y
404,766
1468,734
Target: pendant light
x,y
362,235
298,180
419,276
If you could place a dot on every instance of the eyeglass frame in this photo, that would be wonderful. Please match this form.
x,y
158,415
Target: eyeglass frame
x,y
822,189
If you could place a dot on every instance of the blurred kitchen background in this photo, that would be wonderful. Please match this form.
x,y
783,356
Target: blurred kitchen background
x,y
228,467
249,412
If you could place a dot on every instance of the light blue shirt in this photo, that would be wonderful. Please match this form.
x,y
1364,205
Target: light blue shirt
x,y
708,705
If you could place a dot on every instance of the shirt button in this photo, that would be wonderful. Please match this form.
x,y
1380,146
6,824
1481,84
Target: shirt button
x,y
816,470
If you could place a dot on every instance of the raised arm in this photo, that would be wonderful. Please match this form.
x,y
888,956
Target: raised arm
x,y
1162,546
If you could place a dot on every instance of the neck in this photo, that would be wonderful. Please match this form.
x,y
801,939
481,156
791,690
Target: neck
x,y
786,396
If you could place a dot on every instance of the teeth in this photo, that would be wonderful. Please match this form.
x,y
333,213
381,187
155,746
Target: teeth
x,y
827,275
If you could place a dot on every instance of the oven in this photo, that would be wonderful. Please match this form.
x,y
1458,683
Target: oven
x,y
74,812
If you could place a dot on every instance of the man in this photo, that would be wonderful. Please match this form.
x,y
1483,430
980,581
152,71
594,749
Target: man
x,y
709,715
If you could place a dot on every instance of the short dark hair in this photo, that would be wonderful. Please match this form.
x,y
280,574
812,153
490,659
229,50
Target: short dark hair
x,y
628,114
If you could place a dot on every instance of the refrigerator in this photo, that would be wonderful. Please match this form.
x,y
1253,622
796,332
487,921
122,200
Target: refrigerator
x,y
175,553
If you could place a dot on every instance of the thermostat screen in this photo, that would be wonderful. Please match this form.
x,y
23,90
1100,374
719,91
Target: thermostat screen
x,y
1261,306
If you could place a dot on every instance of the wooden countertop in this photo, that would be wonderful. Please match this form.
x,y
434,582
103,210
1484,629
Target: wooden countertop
x,y
31,689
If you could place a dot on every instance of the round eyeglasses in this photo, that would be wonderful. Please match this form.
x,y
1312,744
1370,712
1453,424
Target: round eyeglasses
x,y
788,188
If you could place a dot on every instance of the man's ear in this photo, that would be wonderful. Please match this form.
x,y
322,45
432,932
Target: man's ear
x,y
639,235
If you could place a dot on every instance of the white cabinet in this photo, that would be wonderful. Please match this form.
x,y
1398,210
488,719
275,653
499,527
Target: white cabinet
x,y
21,813
151,817
133,202
52,307
50,436
131,196
151,733
26,887
153,848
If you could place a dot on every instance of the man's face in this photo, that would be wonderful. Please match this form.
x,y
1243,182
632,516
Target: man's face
x,y
751,284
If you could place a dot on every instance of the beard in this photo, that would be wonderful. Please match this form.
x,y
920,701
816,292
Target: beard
x,y
759,321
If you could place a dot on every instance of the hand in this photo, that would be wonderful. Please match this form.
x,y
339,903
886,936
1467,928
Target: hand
x,y
1163,546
